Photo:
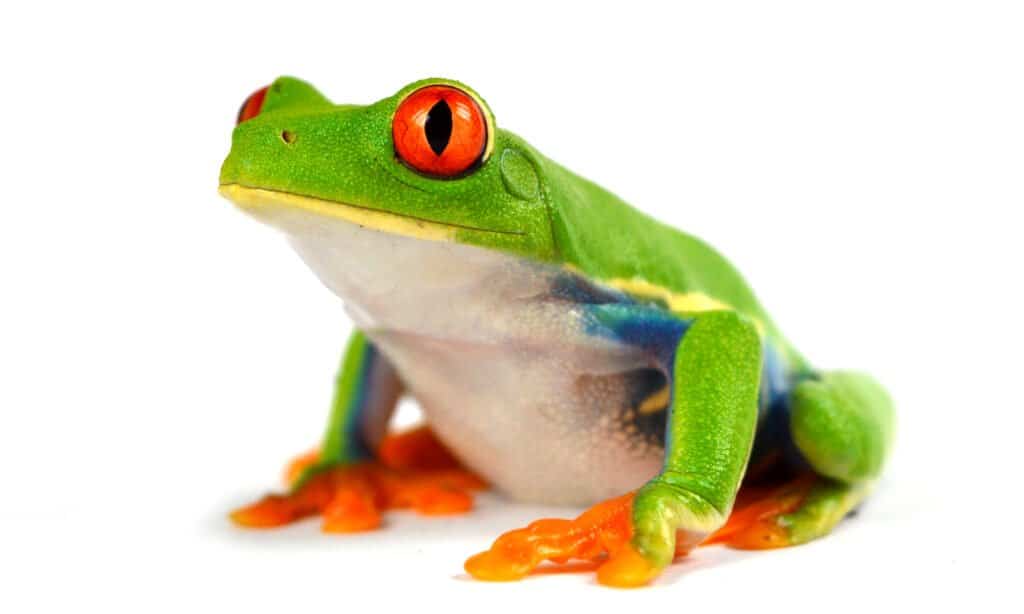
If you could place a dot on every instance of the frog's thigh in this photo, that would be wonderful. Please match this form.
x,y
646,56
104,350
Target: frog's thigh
x,y
842,423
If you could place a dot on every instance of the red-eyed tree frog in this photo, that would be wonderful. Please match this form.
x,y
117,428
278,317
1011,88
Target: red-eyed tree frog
x,y
565,348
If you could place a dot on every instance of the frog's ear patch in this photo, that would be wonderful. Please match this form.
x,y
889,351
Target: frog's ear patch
x,y
289,92
519,174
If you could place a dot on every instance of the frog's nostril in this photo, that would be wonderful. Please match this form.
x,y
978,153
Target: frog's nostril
x,y
288,137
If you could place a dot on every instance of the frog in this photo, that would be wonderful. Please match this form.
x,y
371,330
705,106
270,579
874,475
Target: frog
x,y
564,347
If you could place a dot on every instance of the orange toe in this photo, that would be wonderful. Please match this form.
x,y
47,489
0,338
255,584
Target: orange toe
x,y
754,524
299,464
417,448
627,568
603,529
276,510
435,500
354,497
500,565
351,511
271,511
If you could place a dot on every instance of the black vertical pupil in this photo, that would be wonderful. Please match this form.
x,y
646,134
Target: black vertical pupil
x,y
439,126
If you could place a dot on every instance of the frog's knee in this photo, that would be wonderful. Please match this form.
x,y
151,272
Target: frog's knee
x,y
842,423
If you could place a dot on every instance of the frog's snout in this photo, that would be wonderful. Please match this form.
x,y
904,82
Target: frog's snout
x,y
253,106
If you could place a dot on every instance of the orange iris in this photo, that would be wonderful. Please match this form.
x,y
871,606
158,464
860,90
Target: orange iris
x,y
440,130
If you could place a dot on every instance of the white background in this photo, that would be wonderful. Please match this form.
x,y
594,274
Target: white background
x,y
162,355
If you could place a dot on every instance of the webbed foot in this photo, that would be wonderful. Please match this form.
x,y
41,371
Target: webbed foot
x,y
414,471
601,536
754,523
803,509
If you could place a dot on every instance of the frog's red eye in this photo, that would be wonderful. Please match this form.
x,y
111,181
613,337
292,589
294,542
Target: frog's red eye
x,y
252,105
440,130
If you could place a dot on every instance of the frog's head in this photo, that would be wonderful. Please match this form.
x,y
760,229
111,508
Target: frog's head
x,y
427,162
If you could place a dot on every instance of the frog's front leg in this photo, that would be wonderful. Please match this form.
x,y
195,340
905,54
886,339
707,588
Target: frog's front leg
x,y
715,374
351,479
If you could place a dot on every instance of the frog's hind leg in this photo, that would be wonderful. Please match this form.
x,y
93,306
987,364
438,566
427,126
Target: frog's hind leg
x,y
841,423
794,513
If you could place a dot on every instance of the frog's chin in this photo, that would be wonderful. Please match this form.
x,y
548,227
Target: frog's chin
x,y
387,268
298,214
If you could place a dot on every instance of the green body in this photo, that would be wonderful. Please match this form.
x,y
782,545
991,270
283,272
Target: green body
x,y
340,162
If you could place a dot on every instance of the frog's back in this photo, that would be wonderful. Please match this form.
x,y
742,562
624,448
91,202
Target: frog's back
x,y
611,242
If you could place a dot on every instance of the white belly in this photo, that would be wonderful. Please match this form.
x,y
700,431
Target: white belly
x,y
501,367
540,424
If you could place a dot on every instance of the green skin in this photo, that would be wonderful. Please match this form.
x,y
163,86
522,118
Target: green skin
x,y
520,202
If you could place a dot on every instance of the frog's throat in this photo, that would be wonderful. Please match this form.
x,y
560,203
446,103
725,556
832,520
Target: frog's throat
x,y
260,200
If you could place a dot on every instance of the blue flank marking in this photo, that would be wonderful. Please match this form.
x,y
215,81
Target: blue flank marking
x,y
571,287
660,332
775,382
644,326
358,405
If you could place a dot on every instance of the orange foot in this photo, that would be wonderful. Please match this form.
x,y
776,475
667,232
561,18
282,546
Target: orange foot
x,y
414,471
600,536
754,524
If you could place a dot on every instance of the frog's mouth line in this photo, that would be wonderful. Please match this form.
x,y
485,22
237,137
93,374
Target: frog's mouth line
x,y
254,200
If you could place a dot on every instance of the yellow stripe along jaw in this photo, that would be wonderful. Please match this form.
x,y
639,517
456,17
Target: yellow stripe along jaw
x,y
260,200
